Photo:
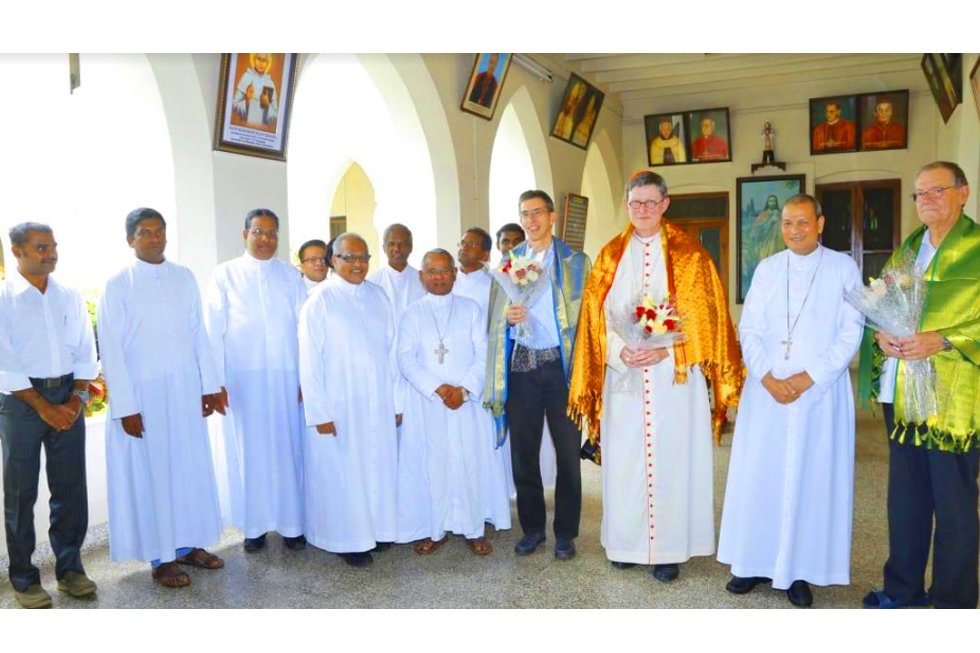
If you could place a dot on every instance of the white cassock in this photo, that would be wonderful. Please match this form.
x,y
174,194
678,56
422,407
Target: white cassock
x,y
451,476
157,362
788,504
309,285
656,448
251,313
349,377
476,286
401,288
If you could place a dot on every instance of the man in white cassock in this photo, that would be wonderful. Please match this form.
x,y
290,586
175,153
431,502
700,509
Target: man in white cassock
x,y
163,502
398,279
788,504
252,312
350,386
473,281
451,476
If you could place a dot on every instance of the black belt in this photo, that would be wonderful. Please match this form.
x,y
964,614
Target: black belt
x,y
54,382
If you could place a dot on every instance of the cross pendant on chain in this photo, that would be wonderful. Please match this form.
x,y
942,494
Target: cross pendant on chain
x,y
789,343
441,352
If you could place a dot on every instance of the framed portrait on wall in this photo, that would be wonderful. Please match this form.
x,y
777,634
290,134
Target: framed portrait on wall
x,y
666,139
485,83
883,120
758,216
711,136
975,84
255,98
833,124
945,77
578,112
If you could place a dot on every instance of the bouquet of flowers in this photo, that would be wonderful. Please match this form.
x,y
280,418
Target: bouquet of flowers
x,y
646,324
893,304
650,325
521,279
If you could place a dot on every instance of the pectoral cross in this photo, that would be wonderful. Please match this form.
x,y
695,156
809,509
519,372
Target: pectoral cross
x,y
441,352
789,343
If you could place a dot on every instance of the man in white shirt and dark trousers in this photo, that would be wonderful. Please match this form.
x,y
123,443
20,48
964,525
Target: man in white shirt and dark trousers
x,y
49,358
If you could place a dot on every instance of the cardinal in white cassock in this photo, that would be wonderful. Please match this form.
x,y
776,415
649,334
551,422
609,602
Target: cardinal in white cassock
x,y
350,387
788,504
252,312
451,476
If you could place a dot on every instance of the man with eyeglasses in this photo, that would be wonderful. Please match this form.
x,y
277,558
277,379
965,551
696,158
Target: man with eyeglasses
x,y
527,378
933,467
473,280
47,356
398,279
163,500
652,403
251,313
352,397
313,263
451,477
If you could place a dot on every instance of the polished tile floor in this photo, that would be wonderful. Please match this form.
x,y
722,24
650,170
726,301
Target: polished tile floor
x,y
454,578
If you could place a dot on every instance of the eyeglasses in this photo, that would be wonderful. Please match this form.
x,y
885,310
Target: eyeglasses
x,y
354,258
268,233
934,193
313,260
636,205
534,213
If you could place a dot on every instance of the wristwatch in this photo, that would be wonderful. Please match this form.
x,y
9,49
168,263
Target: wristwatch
x,y
466,394
83,395
947,345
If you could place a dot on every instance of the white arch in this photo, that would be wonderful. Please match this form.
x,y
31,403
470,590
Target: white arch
x,y
384,113
601,183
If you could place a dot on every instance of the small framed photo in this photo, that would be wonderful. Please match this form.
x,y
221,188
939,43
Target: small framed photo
x,y
945,77
255,98
486,81
758,221
666,139
578,113
884,119
833,124
975,83
711,136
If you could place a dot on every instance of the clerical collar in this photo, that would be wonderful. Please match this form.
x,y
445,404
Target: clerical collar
x,y
344,284
801,258
394,271
149,266
646,240
257,261
439,300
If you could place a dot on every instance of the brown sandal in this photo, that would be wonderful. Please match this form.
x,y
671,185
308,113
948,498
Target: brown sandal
x,y
480,546
428,545
169,574
201,558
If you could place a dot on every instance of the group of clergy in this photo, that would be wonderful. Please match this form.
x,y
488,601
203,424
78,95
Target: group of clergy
x,y
409,405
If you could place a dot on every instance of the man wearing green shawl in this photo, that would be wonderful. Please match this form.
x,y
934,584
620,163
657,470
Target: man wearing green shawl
x,y
932,467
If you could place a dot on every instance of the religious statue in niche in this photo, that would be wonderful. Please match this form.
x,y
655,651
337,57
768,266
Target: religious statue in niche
x,y
768,149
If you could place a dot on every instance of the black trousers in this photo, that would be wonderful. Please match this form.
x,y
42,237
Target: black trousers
x,y
530,397
23,433
922,484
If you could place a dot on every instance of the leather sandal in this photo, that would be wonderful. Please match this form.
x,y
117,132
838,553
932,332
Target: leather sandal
x,y
169,574
201,558
480,546
428,545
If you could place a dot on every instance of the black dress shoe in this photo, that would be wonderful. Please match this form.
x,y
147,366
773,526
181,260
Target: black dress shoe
x,y
623,565
564,549
358,560
294,543
740,585
527,544
666,573
253,544
799,594
381,546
